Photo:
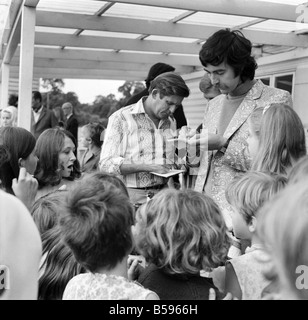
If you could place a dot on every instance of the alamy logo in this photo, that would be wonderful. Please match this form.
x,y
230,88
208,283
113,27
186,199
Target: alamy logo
x,y
4,277
302,10
302,280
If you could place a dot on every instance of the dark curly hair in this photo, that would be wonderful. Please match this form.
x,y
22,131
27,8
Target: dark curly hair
x,y
230,47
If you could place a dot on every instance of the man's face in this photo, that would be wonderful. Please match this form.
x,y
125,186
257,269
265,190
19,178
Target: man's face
x,y
223,77
36,104
66,110
166,106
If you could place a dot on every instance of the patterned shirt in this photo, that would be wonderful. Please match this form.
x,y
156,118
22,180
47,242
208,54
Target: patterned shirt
x,y
89,286
250,269
132,137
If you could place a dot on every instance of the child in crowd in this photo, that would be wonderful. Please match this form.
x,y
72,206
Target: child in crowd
x,y
92,139
254,125
283,229
97,228
281,140
180,233
58,265
46,210
247,194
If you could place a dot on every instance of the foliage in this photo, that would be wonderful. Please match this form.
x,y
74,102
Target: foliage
x,y
101,108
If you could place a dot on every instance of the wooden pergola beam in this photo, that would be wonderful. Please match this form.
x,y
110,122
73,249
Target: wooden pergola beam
x,y
124,57
31,3
125,25
251,8
83,73
97,65
55,39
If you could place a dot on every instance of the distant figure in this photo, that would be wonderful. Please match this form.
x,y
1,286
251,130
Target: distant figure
x,y
92,139
9,117
154,71
42,117
71,122
58,111
13,100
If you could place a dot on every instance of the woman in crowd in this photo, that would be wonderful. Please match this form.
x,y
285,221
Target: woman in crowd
x,y
9,117
20,164
92,140
58,166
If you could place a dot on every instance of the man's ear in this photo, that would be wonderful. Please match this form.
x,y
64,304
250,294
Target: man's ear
x,y
154,93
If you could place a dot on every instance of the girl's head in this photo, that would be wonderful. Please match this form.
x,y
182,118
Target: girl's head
x,y
58,268
282,140
45,210
9,117
283,228
254,124
56,149
108,177
182,232
97,223
20,146
246,194
92,133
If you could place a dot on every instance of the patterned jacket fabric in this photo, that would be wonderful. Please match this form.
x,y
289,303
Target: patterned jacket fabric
x,y
226,165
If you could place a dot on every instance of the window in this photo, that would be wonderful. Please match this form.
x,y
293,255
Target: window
x,y
266,81
281,81
284,82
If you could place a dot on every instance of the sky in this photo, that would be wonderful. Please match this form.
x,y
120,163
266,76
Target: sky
x,y
87,90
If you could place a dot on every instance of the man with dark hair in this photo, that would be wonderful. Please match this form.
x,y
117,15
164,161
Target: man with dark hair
x,y
155,71
71,122
42,118
226,58
136,139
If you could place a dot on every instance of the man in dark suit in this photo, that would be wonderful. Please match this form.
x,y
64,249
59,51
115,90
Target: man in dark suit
x,y
155,71
71,122
42,118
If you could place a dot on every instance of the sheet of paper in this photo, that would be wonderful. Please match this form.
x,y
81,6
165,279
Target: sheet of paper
x,y
171,173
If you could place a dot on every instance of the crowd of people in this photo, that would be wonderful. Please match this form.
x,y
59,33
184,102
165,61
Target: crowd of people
x,y
114,223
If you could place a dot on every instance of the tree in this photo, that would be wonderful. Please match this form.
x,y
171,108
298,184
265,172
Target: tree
x,y
128,89
54,85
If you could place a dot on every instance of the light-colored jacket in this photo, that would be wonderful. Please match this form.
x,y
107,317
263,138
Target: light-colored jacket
x,y
234,160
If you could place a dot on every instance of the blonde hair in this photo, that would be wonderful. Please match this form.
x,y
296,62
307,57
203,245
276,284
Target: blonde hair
x,y
283,228
282,140
182,232
255,120
249,192
13,112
